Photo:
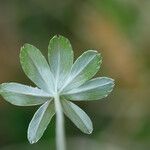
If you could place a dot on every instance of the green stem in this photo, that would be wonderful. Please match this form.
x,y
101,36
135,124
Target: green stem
x,y
60,130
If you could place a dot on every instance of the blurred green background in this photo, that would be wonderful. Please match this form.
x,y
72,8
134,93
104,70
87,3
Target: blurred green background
x,y
120,30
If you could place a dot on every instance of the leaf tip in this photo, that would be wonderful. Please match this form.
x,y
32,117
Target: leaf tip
x,y
26,48
0,89
31,139
90,131
112,82
23,51
57,36
60,38
2,86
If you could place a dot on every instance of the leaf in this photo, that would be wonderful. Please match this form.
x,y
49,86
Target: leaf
x,y
77,116
94,89
36,67
22,95
60,56
84,68
40,121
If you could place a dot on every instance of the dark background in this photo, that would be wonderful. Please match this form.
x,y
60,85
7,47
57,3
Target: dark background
x,y
120,30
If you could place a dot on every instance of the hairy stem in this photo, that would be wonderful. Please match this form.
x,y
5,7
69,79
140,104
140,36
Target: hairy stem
x,y
60,130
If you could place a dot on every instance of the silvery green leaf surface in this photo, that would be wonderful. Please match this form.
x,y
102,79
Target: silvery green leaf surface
x,y
60,56
40,121
84,68
23,95
77,116
59,81
94,89
36,67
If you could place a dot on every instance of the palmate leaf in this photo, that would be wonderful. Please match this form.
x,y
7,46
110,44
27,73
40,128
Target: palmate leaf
x,y
94,89
58,82
23,95
84,68
60,56
36,67
40,121
77,116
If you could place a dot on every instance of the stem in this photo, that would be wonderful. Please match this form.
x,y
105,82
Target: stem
x,y
60,130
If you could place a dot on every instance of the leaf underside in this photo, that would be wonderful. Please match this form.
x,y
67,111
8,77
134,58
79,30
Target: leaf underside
x,y
84,68
71,80
60,56
40,121
36,67
23,95
77,116
94,89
